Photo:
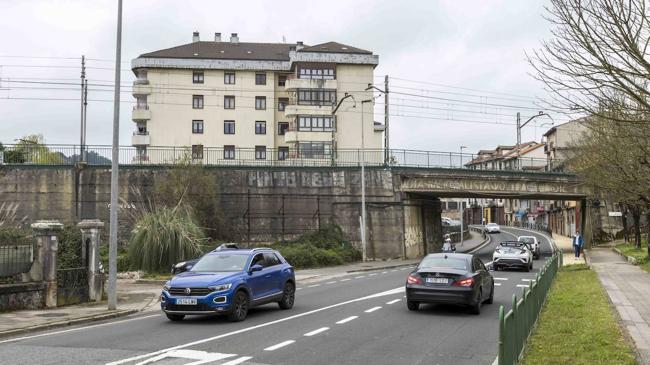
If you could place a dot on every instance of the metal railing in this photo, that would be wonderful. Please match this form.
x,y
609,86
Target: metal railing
x,y
15,259
214,156
517,324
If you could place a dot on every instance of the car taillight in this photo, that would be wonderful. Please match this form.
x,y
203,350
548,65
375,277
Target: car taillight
x,y
464,282
413,279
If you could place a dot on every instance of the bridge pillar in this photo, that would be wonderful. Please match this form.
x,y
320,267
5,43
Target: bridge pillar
x,y
422,226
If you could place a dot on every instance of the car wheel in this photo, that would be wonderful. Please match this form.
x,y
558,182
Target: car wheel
x,y
490,300
175,317
239,307
412,306
476,307
288,296
496,268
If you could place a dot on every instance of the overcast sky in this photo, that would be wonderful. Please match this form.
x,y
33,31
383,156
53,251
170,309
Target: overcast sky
x,y
461,50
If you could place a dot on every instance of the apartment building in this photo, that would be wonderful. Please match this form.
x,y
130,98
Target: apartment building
x,y
222,100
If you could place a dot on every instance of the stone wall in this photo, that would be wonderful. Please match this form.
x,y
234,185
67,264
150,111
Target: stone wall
x,y
22,296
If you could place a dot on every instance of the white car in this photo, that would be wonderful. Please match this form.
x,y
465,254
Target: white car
x,y
533,242
492,228
512,254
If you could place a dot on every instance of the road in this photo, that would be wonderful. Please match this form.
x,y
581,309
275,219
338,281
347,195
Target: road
x,y
353,319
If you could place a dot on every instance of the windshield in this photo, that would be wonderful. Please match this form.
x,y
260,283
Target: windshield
x,y
451,263
491,224
527,239
220,262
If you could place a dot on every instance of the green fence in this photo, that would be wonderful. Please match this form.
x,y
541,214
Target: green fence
x,y
516,326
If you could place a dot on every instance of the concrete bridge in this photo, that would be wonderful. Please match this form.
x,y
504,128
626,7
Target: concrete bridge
x,y
264,204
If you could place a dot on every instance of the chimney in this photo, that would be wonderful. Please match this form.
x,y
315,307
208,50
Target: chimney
x,y
234,38
217,37
195,37
299,45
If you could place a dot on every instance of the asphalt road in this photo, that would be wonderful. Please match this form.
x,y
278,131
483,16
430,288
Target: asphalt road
x,y
354,319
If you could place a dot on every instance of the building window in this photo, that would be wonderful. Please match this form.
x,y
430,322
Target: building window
x,y
260,102
282,103
228,127
282,80
197,77
197,151
197,101
260,127
316,73
197,126
229,78
315,149
229,102
315,123
228,152
260,79
260,152
316,97
283,153
282,128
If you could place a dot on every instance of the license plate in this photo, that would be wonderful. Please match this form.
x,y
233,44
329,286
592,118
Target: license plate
x,y
186,301
437,280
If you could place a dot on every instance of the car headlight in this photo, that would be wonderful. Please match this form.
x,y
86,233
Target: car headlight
x,y
166,287
222,287
180,264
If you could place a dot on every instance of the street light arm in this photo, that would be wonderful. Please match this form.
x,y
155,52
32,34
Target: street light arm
x,y
371,86
341,102
535,116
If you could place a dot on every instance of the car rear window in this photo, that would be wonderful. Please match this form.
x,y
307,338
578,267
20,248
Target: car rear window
x,y
221,262
452,263
491,224
527,239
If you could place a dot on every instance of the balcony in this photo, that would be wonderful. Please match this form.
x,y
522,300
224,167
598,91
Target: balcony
x,y
296,83
141,113
379,127
141,87
292,110
292,136
140,139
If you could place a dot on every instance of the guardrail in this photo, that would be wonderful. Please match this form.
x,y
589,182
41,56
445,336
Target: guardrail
x,y
517,324
321,155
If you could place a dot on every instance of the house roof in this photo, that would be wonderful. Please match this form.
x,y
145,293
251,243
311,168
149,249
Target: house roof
x,y
334,47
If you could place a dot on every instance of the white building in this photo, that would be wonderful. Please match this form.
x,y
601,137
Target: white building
x,y
230,100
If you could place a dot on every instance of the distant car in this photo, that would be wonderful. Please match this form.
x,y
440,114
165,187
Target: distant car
x,y
229,282
187,265
513,254
492,228
453,278
533,242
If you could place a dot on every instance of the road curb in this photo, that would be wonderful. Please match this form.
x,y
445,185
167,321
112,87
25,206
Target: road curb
x,y
381,268
630,259
150,281
480,246
71,322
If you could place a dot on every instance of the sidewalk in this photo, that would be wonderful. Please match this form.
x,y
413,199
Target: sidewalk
x,y
628,288
565,244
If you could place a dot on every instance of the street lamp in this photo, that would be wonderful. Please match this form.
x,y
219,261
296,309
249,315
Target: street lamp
x,y
520,126
460,203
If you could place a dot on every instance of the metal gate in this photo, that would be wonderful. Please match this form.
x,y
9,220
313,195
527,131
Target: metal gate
x,y
72,275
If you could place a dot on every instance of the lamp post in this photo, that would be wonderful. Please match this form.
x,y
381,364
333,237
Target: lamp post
x,y
460,203
520,126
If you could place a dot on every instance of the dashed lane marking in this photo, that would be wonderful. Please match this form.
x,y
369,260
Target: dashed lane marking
x,y
523,286
280,345
330,282
404,268
346,279
298,288
372,274
238,361
393,301
528,280
372,309
201,357
346,320
360,276
313,286
393,270
315,332
500,278
497,284
384,272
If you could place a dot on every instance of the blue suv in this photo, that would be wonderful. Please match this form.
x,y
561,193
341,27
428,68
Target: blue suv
x,y
230,282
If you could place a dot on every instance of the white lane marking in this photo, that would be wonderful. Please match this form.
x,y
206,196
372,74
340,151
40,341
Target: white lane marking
x,y
280,345
330,282
346,279
202,357
372,309
393,301
500,278
251,328
497,284
404,268
298,288
360,276
372,274
313,286
393,270
346,320
315,332
528,280
384,272
523,286
238,361
77,329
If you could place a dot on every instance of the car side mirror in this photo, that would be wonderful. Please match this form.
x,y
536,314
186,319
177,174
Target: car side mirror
x,y
256,267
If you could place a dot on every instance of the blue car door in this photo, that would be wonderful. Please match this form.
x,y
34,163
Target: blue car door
x,y
257,280
273,273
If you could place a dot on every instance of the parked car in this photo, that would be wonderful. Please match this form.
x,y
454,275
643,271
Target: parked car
x,y
533,242
513,254
230,282
187,265
454,278
492,228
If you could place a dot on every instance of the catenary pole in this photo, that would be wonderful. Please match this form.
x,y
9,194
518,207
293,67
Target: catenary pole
x,y
112,244
81,119
386,120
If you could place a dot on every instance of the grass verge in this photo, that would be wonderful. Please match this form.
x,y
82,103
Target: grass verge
x,y
577,325
641,255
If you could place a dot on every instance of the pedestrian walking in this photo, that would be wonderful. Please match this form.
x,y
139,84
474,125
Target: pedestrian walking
x,y
578,242
446,246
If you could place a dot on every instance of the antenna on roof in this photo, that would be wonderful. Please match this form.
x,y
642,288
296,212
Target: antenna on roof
x,y
284,39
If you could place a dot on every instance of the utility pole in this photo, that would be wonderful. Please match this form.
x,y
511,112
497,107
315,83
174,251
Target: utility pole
x,y
518,138
386,120
112,243
460,203
83,107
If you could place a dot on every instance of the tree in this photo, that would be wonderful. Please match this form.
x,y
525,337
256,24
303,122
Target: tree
x,y
32,149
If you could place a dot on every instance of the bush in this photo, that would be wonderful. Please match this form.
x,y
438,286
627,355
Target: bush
x,y
14,236
69,253
123,263
163,238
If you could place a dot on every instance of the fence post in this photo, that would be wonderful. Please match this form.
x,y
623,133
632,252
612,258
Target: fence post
x,y
515,338
47,245
501,356
90,239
